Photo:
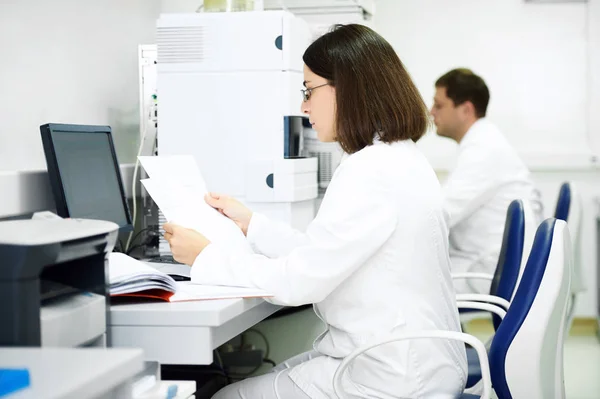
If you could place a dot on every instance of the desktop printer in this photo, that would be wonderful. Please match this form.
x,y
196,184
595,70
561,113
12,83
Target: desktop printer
x,y
53,288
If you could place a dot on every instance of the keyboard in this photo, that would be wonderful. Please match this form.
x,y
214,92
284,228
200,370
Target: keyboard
x,y
162,259
170,266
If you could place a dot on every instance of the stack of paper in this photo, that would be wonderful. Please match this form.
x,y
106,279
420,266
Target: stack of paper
x,y
178,188
127,276
130,277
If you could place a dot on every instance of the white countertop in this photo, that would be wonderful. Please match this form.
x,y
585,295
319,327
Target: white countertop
x,y
184,332
72,373
211,313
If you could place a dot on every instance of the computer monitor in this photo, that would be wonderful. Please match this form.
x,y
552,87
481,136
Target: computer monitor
x,y
84,173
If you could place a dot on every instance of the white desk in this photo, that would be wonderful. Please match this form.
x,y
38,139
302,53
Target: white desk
x,y
57,373
184,332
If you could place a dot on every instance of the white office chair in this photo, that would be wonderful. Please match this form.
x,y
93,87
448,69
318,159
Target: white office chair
x,y
569,208
519,232
526,354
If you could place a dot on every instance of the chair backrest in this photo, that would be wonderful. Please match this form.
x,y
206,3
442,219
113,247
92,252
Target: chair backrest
x,y
569,209
532,221
526,354
511,252
563,204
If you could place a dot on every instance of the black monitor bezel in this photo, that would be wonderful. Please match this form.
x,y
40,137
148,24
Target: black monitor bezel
x,y
56,182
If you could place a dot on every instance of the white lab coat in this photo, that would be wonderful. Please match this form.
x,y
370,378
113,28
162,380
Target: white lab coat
x,y
374,262
488,176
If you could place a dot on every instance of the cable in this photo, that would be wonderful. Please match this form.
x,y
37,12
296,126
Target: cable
x,y
133,248
221,366
219,359
267,348
140,232
133,184
265,359
133,188
140,245
118,246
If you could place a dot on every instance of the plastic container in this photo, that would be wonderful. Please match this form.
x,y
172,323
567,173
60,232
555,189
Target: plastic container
x,y
228,5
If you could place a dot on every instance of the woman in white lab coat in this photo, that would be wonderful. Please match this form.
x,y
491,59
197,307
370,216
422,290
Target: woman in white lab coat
x,y
375,259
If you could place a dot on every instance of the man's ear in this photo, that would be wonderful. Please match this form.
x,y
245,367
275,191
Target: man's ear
x,y
469,109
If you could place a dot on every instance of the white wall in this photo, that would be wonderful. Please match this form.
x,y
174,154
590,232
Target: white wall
x,y
593,23
69,61
533,57
177,6
542,64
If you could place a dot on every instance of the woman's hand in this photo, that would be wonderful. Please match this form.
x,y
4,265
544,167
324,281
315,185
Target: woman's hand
x,y
186,244
231,208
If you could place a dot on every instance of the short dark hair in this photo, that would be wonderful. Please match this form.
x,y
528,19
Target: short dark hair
x,y
463,85
374,92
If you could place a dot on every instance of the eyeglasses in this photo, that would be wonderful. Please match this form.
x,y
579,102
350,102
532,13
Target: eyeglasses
x,y
306,93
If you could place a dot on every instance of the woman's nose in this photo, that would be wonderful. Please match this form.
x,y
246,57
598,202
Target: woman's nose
x,y
304,108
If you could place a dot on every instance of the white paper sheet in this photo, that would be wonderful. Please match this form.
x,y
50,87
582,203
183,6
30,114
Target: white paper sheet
x,y
187,291
176,168
177,187
172,196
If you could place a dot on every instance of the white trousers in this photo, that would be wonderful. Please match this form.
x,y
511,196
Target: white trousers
x,y
274,385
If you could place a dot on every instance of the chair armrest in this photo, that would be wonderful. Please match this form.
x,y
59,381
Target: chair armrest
x,y
431,334
482,306
496,300
481,276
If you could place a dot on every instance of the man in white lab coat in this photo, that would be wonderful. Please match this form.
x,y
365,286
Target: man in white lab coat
x,y
488,175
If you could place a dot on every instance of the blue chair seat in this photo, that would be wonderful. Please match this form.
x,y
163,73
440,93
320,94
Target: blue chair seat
x,y
474,369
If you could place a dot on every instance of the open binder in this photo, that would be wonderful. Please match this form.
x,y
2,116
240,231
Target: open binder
x,y
129,277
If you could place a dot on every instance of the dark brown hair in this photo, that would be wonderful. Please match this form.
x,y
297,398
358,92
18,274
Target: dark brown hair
x,y
463,85
374,92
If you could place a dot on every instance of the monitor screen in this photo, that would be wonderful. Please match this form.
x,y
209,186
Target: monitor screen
x,y
84,173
